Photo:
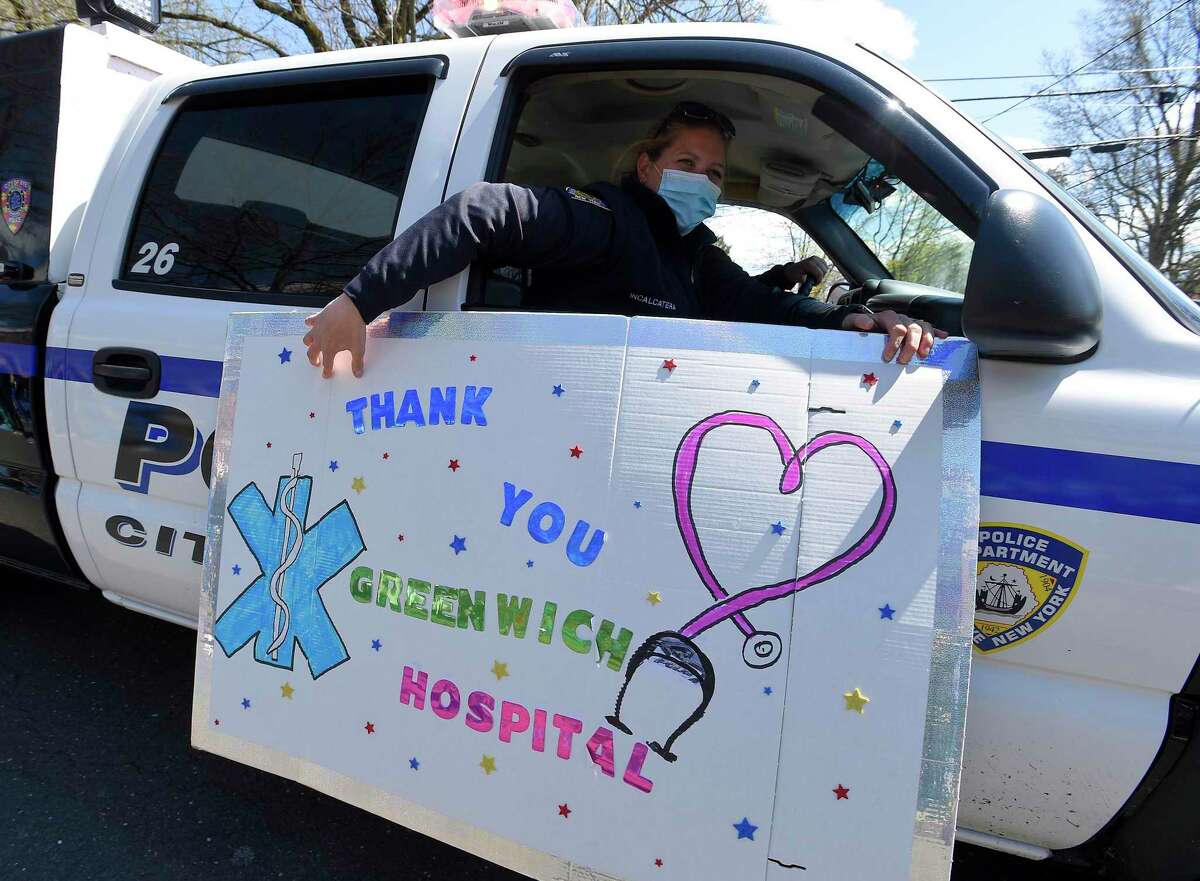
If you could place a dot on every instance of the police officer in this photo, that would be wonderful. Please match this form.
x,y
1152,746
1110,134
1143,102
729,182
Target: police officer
x,y
640,248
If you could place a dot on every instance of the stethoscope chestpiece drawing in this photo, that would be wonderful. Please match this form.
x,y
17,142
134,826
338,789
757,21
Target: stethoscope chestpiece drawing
x,y
677,650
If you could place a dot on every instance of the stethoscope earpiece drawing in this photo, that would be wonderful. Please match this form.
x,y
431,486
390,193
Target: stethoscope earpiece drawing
x,y
677,650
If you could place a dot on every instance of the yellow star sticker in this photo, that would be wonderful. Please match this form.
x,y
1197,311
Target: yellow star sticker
x,y
358,485
500,670
856,700
286,690
654,598
488,764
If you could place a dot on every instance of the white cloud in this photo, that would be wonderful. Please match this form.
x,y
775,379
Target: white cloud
x,y
873,23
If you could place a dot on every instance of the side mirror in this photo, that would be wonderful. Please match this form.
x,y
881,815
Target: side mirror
x,y
1032,291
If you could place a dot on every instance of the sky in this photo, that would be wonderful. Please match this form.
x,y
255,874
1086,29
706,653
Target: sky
x,y
960,38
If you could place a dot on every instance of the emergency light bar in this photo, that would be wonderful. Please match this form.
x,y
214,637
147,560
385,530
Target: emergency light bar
x,y
136,15
476,18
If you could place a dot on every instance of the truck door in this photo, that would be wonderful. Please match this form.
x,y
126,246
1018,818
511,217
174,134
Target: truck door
x,y
255,192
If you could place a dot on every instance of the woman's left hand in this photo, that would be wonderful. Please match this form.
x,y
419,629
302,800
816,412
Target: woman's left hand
x,y
906,336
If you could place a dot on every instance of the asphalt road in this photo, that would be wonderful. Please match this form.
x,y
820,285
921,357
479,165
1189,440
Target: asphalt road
x,y
98,781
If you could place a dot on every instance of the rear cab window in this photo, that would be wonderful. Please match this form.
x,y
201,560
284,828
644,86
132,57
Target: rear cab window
x,y
282,194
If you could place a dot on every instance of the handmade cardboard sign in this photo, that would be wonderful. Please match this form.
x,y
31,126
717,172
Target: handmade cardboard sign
x,y
598,597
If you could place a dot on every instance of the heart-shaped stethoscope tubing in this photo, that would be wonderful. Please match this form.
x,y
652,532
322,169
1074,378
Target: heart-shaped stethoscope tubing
x,y
678,649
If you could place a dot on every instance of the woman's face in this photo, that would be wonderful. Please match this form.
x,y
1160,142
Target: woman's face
x,y
698,150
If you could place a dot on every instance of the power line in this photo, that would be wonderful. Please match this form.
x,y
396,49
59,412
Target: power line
x,y
1105,171
1107,51
1044,94
1033,76
1133,140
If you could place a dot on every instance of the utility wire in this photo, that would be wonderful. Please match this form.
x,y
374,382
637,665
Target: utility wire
x,y
1107,51
1132,140
1044,94
1032,76
1105,171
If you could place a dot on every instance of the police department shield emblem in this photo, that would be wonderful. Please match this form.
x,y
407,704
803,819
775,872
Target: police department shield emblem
x,y
1025,579
14,202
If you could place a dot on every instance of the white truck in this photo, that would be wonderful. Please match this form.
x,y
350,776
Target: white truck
x,y
146,197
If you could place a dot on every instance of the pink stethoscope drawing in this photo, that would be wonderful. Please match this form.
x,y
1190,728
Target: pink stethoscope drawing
x,y
677,649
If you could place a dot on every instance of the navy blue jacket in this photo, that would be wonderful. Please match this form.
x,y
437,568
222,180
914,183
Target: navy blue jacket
x,y
610,249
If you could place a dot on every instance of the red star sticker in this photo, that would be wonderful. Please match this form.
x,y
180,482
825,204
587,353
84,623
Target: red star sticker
x,y
669,364
386,456
564,811
869,379
268,445
841,792
658,862
453,466
400,537
370,728
576,452
312,415
473,358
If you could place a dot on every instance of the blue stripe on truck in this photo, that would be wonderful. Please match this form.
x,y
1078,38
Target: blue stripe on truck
x,y
1093,481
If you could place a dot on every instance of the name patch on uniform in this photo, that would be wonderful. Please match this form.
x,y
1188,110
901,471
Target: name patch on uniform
x,y
586,197
1025,579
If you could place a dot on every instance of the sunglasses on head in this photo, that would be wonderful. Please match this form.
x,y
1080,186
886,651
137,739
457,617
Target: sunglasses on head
x,y
690,111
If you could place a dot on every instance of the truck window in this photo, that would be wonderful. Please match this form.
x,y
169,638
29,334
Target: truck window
x,y
757,240
911,238
287,191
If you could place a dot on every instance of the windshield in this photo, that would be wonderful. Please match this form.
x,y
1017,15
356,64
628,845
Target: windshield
x,y
908,235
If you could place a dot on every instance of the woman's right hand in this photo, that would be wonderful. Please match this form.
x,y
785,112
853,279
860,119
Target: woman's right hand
x,y
336,328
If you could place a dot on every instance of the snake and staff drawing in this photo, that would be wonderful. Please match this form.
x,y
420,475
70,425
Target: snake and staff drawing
x,y
677,650
282,607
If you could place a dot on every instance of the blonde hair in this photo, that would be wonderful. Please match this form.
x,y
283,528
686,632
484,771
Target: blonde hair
x,y
661,136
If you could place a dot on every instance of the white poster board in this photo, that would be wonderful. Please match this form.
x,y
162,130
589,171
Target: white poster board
x,y
601,597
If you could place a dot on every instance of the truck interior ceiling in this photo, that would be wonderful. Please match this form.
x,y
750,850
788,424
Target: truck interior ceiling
x,y
799,153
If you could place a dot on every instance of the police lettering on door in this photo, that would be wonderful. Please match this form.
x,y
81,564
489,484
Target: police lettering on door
x,y
157,439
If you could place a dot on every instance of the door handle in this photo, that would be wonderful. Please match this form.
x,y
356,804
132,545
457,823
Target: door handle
x,y
127,373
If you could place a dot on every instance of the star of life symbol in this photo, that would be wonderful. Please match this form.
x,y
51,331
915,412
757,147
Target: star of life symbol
x,y
282,607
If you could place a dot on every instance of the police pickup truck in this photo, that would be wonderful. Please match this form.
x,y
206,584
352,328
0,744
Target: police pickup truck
x,y
146,197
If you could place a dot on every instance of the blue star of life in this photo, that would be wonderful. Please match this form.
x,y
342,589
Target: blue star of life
x,y
282,607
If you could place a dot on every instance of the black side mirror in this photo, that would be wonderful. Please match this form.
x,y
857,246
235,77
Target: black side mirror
x,y
1032,291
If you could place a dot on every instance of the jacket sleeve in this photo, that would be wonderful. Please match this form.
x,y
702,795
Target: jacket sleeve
x,y
729,293
522,226
775,277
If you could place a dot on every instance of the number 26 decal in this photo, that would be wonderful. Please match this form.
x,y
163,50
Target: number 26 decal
x,y
161,261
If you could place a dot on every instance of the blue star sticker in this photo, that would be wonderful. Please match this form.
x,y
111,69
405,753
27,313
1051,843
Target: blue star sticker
x,y
896,426
459,545
754,384
777,527
745,829
237,570
558,391
333,465
245,703
767,690
325,548
414,764
285,356
637,504
376,644
886,611
529,564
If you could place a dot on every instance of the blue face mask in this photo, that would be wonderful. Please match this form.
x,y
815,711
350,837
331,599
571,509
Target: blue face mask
x,y
691,197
